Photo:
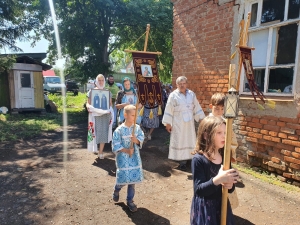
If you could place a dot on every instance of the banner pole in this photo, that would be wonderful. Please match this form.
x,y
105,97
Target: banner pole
x,y
229,121
137,100
242,42
146,39
136,107
227,151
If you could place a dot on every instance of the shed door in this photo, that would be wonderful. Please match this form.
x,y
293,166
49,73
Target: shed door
x,y
26,87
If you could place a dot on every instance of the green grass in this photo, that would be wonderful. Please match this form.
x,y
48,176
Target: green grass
x,y
266,177
21,126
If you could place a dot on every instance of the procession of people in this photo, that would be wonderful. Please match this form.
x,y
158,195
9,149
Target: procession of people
x,y
133,123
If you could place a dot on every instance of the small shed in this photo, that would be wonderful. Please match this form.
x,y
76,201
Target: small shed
x,y
21,88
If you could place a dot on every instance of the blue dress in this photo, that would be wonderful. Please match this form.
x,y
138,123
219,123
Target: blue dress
x,y
129,169
122,97
206,202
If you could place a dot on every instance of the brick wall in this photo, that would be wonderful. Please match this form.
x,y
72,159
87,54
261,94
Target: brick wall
x,y
201,46
270,142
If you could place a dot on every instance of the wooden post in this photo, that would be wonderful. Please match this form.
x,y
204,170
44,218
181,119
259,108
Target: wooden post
x,y
146,39
226,166
136,107
227,151
242,42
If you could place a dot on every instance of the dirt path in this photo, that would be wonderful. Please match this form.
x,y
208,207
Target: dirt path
x,y
39,187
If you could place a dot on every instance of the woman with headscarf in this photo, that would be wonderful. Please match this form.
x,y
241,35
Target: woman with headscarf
x,y
127,96
101,118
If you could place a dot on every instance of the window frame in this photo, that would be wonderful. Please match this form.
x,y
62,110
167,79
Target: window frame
x,y
267,67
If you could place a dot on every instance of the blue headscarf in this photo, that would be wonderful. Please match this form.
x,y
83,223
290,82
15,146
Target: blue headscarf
x,y
131,86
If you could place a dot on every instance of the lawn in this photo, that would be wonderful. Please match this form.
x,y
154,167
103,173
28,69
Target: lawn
x,y
21,126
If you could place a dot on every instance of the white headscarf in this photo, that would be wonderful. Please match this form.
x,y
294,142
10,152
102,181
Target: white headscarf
x,y
97,82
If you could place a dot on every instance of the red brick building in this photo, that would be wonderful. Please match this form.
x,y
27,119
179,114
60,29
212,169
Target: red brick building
x,y
205,35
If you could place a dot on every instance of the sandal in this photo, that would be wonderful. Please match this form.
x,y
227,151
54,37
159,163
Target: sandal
x,y
101,156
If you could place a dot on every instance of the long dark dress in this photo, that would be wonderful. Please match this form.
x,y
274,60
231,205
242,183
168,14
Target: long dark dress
x,y
206,203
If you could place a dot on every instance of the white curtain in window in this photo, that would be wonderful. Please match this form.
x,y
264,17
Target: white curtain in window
x,y
259,40
274,46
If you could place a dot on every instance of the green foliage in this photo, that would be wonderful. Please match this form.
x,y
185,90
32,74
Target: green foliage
x,y
56,71
6,62
73,103
20,126
118,60
18,18
91,30
266,177
159,14
15,127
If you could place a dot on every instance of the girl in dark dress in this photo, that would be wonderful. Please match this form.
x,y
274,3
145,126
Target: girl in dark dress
x,y
209,176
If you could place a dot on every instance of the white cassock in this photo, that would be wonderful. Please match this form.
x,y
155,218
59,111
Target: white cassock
x,y
180,112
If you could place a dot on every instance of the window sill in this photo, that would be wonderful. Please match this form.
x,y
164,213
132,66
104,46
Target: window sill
x,y
273,98
272,24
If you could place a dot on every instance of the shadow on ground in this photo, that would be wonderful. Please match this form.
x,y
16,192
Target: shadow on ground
x,y
106,164
21,161
138,217
242,221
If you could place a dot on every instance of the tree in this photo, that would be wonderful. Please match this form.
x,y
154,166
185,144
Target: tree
x,y
17,19
159,14
91,30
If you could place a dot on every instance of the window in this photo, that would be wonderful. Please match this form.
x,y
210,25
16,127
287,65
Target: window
x,y
253,14
274,33
53,80
25,80
294,11
272,10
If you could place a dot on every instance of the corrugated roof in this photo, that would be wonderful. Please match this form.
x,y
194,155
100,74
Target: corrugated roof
x,y
29,60
49,73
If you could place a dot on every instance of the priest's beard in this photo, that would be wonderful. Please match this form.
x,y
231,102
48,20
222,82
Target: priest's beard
x,y
110,83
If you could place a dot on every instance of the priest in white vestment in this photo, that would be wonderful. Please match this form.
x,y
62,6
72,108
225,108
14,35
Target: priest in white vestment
x,y
181,110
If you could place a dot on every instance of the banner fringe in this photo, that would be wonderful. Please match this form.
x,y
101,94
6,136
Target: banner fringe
x,y
260,106
159,110
151,114
141,111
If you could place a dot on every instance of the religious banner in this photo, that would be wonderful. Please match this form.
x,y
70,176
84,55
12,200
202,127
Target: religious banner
x,y
248,68
149,89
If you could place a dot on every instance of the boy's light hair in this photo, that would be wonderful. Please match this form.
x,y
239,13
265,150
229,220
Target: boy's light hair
x,y
217,99
128,108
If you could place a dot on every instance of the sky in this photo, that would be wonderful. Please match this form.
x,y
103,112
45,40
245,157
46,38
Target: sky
x,y
40,47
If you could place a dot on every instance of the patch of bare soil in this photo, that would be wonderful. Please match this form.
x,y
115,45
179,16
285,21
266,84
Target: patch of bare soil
x,y
42,184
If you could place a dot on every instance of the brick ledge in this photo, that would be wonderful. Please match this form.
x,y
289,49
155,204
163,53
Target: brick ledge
x,y
273,98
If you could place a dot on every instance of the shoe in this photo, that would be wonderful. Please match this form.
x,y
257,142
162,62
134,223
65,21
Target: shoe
x,y
149,137
132,207
182,167
143,129
101,156
115,196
